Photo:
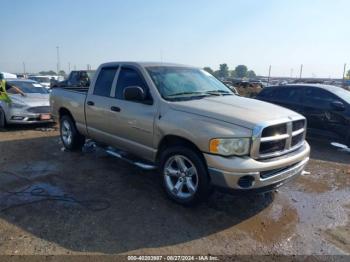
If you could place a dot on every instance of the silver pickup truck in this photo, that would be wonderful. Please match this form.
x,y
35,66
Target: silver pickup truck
x,y
186,123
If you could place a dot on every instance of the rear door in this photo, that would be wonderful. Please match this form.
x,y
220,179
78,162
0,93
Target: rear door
x,y
289,97
286,96
100,118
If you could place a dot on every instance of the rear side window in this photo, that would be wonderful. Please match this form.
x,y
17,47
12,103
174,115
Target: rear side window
x,y
104,81
74,78
128,77
292,94
285,94
280,93
266,93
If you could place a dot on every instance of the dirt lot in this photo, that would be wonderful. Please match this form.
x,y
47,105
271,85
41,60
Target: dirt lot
x,y
308,216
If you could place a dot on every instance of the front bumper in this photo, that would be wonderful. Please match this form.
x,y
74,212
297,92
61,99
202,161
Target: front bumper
x,y
19,116
247,174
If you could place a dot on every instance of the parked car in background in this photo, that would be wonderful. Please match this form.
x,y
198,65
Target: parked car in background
x,y
8,75
184,122
43,80
77,78
29,103
326,108
260,83
231,86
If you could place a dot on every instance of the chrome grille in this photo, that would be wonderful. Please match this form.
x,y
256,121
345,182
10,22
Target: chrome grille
x,y
278,137
39,109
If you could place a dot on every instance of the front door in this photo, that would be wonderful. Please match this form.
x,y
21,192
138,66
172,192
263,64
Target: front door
x,y
321,116
136,119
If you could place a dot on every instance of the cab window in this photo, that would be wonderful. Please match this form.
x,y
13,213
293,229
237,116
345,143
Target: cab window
x,y
129,77
318,97
104,81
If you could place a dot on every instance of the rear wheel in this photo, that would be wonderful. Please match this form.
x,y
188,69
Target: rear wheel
x,y
2,119
185,176
71,139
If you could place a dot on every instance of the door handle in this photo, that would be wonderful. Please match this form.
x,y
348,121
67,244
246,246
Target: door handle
x,y
90,103
115,109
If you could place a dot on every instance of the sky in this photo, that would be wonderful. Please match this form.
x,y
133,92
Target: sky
x,y
257,33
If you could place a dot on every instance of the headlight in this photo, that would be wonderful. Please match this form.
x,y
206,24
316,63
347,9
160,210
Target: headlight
x,y
230,146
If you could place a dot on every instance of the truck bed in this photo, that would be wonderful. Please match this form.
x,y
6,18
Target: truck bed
x,y
73,100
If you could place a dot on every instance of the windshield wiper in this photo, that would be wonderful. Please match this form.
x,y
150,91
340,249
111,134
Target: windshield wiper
x,y
218,92
188,93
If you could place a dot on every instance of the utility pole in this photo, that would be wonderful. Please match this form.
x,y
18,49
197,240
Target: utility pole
x,y
291,72
301,71
58,59
344,75
268,79
24,68
68,67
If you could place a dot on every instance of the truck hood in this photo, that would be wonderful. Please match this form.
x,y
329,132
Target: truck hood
x,y
31,100
245,112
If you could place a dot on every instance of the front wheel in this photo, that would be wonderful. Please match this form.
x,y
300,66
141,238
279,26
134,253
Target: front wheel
x,y
2,119
71,139
185,176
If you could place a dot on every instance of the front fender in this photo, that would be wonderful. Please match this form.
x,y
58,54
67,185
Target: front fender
x,y
198,129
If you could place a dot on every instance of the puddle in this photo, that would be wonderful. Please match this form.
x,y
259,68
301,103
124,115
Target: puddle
x,y
340,235
274,224
42,192
35,169
323,178
26,195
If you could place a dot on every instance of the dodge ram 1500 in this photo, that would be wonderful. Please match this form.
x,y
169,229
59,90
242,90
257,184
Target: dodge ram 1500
x,y
184,122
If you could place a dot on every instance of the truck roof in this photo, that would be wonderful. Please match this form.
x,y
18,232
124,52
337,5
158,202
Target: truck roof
x,y
330,88
145,64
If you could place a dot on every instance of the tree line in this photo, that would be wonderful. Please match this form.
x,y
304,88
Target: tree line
x,y
240,71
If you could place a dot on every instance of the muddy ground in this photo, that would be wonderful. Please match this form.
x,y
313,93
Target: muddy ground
x,y
56,202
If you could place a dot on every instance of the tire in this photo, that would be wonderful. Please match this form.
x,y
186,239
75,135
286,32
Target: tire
x,y
185,176
2,119
70,137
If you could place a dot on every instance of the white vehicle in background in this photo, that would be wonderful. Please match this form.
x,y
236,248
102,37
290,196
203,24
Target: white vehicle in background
x,y
43,80
57,78
8,75
29,103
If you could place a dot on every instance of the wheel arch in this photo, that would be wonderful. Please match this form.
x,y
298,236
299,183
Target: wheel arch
x,y
64,112
174,140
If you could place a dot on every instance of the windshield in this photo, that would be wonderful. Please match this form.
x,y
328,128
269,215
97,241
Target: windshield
x,y
90,74
342,93
182,82
26,87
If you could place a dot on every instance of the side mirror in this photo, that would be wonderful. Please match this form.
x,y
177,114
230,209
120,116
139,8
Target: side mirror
x,y
338,105
134,93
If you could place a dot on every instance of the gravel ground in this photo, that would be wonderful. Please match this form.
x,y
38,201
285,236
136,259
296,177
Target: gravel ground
x,y
57,202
